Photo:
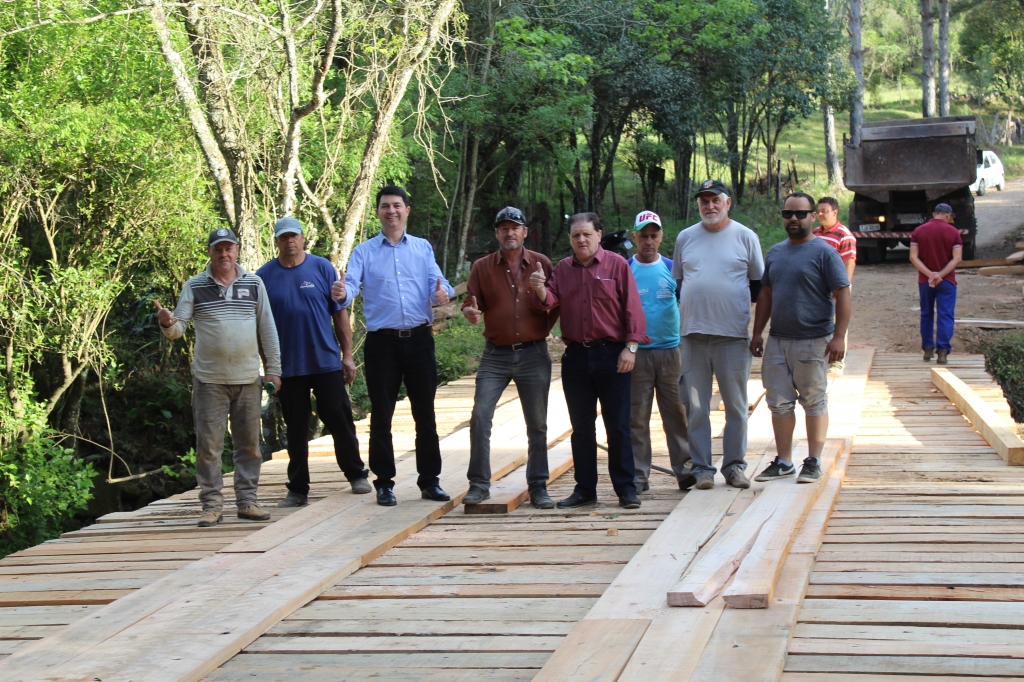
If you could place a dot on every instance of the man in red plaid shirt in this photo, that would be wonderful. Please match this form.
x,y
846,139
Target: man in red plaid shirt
x,y
839,237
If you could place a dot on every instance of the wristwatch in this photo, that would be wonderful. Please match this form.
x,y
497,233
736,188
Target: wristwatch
x,y
631,347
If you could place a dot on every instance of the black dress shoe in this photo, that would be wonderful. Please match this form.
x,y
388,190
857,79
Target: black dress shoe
x,y
540,499
576,500
434,492
629,501
686,481
386,497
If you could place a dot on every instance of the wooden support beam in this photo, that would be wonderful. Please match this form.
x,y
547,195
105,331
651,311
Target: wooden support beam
x,y
755,580
594,651
1001,270
984,263
990,425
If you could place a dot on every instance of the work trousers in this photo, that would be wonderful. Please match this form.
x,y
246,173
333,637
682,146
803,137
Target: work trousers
x,y
530,368
727,359
589,375
334,409
938,306
657,372
390,361
212,406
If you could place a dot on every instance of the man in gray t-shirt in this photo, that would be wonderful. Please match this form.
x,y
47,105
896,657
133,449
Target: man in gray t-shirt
x,y
802,278
714,263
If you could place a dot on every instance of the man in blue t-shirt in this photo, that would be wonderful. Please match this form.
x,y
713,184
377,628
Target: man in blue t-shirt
x,y
657,365
316,355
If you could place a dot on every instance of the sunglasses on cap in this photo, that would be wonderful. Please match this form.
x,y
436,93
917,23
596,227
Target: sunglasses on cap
x,y
800,215
513,214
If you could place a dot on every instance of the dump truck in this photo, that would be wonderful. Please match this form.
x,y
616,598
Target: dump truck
x,y
900,171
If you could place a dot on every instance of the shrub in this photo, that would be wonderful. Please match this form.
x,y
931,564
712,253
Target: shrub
x,y
42,485
1004,360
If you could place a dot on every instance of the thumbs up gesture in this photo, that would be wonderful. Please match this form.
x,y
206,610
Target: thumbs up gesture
x,y
471,311
538,280
338,292
441,294
163,315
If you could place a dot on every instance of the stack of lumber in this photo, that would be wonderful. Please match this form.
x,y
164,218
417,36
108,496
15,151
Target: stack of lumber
x,y
992,266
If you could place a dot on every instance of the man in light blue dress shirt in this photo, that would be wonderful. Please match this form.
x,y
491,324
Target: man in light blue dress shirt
x,y
400,282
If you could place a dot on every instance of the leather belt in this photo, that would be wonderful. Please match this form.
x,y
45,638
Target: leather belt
x,y
518,346
595,343
405,333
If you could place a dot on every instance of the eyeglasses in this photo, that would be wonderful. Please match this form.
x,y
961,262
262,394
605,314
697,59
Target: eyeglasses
x,y
800,215
514,216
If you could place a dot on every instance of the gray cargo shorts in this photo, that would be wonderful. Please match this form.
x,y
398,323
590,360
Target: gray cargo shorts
x,y
796,369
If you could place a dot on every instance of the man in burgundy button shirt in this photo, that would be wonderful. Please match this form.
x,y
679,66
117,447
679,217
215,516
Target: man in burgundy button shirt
x,y
603,323
516,350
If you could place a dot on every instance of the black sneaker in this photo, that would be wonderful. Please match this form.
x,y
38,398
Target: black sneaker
x,y
629,501
810,471
777,469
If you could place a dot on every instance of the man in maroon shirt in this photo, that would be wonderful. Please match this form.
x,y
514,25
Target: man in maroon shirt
x,y
516,350
602,328
935,250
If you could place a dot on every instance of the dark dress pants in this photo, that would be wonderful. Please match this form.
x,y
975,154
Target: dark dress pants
x,y
334,409
388,362
589,375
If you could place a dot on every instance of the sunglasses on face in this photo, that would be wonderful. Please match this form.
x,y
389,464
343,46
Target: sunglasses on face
x,y
800,215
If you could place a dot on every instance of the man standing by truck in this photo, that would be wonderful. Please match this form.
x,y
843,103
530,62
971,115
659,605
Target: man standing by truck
x,y
836,235
935,250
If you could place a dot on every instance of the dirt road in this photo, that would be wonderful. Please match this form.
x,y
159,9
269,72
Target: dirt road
x,y
885,296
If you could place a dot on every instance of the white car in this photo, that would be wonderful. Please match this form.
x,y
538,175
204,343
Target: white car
x,y
990,174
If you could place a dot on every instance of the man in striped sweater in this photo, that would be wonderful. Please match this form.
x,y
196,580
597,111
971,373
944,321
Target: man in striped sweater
x,y
234,329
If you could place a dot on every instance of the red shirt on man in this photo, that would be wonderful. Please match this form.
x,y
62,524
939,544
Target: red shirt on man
x,y
935,241
839,238
598,301
504,297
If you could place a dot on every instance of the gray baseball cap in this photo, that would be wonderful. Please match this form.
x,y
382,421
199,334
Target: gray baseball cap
x,y
221,234
943,208
287,224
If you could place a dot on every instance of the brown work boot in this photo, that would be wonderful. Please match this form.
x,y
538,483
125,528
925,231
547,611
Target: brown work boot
x,y
210,518
928,354
252,512
943,358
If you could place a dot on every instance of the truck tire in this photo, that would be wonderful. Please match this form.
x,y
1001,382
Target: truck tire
x,y
969,249
981,188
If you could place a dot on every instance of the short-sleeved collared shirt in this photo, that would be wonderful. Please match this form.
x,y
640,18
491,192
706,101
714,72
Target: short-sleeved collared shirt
x,y
935,242
398,281
597,301
839,238
504,297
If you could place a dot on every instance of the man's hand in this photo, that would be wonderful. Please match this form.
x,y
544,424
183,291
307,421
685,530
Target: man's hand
x,y
626,361
338,292
348,368
537,279
934,280
165,316
470,310
275,380
441,294
757,345
836,349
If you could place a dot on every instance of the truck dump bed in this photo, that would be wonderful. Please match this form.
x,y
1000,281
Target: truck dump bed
x,y
934,155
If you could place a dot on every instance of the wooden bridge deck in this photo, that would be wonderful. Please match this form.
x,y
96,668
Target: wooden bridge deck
x,y
345,590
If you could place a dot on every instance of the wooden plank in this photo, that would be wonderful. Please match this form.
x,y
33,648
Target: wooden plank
x,y
562,609
984,263
1001,270
596,650
538,590
705,580
758,572
513,490
912,665
931,613
998,434
916,592
403,645
327,673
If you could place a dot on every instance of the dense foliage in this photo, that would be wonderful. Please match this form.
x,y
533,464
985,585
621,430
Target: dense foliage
x,y
1004,360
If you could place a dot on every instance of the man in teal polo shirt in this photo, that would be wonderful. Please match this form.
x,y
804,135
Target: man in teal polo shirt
x,y
657,363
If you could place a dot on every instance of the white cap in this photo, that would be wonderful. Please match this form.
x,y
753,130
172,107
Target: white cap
x,y
644,218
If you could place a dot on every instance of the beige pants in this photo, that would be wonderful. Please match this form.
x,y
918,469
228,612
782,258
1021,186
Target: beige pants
x,y
212,406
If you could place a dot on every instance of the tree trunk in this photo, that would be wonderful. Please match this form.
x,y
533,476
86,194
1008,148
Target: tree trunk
x,y
835,173
927,59
857,64
732,123
683,161
467,208
943,57
455,199
412,56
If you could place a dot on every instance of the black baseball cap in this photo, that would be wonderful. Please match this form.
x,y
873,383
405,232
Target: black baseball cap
x,y
221,234
510,213
711,187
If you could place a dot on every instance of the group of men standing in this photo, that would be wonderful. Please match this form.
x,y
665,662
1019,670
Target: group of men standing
x,y
635,331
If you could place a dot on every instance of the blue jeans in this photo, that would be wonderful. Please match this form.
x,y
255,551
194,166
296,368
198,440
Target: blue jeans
x,y
530,368
938,305
590,375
